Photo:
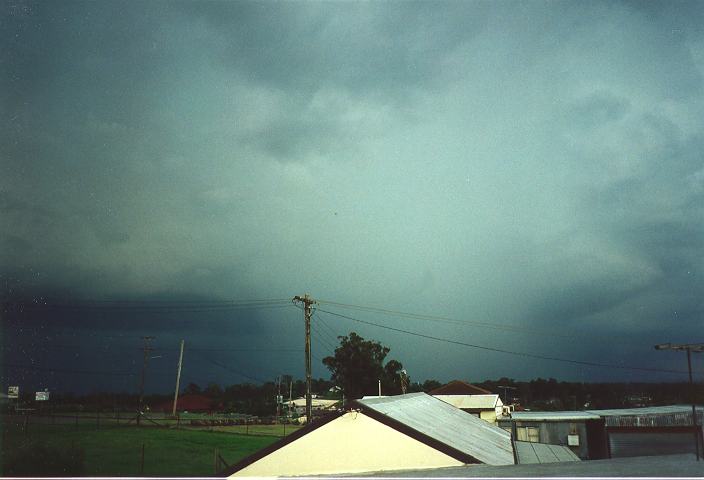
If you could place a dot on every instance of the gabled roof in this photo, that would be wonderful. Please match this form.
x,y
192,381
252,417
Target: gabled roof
x,y
488,402
447,426
458,387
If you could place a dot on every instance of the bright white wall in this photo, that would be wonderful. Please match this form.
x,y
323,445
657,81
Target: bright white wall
x,y
353,443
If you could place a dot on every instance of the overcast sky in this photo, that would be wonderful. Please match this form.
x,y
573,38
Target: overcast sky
x,y
536,165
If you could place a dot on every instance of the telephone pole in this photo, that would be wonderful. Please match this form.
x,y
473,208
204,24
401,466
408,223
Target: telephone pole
x,y
689,348
307,311
147,349
178,377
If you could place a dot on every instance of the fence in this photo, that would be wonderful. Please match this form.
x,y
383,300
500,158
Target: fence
x,y
28,422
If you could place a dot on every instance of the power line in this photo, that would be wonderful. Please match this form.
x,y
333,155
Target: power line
x,y
449,320
230,369
499,350
79,372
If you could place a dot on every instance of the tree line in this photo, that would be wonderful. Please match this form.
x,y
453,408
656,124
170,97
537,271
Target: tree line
x,y
358,365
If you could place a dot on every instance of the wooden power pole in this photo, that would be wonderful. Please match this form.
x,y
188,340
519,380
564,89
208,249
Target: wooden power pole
x,y
307,311
147,349
178,378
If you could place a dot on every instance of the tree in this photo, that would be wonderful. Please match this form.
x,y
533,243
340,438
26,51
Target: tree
x,y
358,365
191,388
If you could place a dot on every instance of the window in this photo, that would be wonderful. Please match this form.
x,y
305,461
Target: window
x,y
528,434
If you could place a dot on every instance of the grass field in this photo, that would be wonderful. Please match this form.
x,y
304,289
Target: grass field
x,y
116,451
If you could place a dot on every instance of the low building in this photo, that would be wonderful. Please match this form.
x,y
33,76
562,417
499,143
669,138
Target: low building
x,y
575,430
317,404
413,431
190,402
648,431
615,433
487,407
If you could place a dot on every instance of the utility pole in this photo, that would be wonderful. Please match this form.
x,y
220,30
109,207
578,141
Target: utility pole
x,y
689,347
278,399
178,378
506,389
147,349
307,311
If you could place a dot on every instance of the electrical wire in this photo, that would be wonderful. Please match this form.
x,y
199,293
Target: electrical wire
x,y
499,350
230,369
448,320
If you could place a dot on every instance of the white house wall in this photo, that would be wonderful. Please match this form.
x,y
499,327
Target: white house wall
x,y
352,443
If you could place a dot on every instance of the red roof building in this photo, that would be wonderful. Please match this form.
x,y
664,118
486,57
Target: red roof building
x,y
190,403
458,387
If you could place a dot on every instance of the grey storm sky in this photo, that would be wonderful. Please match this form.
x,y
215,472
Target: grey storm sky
x,y
532,164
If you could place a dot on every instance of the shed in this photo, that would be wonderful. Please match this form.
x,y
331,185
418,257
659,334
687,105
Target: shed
x,y
573,429
413,431
648,431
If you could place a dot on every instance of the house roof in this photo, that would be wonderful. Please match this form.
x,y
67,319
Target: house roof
x,y
444,425
490,401
259,454
458,387
423,418
551,416
683,465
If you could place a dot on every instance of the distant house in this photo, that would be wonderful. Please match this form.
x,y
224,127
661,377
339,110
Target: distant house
x,y
191,403
317,404
458,387
486,407
412,431
470,398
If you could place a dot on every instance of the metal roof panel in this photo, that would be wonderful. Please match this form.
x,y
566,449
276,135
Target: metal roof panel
x,y
449,425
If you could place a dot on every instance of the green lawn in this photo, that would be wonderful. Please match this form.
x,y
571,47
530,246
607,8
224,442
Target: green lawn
x,y
116,451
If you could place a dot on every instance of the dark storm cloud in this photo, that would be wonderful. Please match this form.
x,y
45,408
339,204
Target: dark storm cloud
x,y
533,164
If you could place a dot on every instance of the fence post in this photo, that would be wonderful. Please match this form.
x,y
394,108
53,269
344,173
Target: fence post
x,y
178,421
141,463
284,428
246,426
97,419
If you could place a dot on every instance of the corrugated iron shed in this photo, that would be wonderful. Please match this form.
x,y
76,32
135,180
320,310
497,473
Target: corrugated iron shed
x,y
531,452
665,416
446,424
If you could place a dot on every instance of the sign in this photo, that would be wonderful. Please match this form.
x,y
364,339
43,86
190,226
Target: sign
x,y
279,399
573,440
42,396
13,391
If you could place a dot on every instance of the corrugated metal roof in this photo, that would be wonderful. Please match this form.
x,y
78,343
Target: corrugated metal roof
x,y
449,425
471,401
551,416
530,452
667,409
665,416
